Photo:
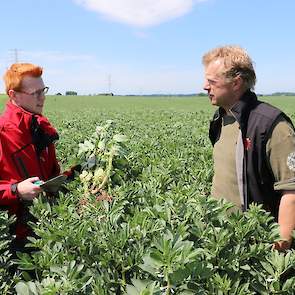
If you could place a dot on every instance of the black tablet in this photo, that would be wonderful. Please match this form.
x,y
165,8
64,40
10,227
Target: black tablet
x,y
53,185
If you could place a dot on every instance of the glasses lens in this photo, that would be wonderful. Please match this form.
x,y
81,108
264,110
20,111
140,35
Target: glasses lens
x,y
45,90
39,92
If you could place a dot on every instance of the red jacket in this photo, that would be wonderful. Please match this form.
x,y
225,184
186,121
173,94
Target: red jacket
x,y
26,150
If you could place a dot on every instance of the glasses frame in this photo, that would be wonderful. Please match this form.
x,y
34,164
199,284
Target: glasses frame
x,y
36,93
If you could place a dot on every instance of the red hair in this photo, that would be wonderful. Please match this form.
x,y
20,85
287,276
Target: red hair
x,y
14,75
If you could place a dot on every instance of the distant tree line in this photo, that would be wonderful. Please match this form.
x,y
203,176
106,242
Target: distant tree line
x,y
71,93
283,94
202,94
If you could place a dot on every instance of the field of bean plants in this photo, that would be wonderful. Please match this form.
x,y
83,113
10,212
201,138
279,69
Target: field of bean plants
x,y
138,219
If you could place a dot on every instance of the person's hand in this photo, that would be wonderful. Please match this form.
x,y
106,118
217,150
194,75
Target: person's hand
x,y
282,245
27,190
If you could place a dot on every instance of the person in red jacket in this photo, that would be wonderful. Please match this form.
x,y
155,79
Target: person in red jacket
x,y
27,151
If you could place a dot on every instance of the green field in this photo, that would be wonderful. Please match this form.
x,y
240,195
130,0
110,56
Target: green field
x,y
161,233
137,112
138,103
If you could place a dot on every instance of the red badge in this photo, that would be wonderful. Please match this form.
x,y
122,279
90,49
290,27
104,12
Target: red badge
x,y
247,143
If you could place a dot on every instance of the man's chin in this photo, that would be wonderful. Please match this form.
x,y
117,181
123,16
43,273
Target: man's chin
x,y
212,100
36,110
39,110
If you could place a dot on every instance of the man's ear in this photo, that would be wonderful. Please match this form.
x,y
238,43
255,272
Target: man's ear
x,y
238,82
12,95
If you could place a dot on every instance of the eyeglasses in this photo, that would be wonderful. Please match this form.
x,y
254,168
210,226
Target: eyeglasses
x,y
36,93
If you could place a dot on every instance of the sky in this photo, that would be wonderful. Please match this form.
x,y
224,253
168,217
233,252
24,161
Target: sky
x,y
145,46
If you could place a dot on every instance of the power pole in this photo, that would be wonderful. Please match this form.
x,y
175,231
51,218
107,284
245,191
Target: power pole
x,y
15,53
109,83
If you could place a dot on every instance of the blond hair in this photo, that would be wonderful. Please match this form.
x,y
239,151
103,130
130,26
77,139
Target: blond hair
x,y
236,62
14,75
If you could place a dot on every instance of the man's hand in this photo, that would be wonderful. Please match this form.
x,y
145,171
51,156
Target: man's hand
x,y
27,190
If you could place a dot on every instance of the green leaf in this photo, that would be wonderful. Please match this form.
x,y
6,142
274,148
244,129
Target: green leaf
x,y
131,290
245,267
22,289
120,138
267,266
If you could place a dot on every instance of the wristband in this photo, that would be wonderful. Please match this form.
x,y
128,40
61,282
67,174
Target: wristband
x,y
14,190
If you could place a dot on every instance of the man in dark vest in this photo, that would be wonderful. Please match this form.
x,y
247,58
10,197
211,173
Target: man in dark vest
x,y
253,142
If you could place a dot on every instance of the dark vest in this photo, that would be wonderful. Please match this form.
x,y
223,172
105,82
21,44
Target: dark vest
x,y
257,121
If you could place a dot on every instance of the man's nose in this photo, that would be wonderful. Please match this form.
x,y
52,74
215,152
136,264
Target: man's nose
x,y
206,85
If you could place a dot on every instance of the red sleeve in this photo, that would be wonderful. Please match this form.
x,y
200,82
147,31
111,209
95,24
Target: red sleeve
x,y
6,196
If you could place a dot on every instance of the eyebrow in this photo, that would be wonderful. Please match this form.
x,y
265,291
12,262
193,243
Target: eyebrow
x,y
211,80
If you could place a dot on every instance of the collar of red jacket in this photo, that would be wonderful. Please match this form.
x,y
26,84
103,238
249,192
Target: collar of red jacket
x,y
20,116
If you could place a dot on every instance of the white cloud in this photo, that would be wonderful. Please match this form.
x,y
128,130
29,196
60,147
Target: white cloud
x,y
140,13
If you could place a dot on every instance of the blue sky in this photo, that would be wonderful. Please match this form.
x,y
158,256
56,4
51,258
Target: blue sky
x,y
145,46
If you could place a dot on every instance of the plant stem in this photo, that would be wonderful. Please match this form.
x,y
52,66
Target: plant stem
x,y
108,172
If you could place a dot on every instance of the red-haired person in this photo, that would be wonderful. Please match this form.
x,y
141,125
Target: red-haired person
x,y
27,151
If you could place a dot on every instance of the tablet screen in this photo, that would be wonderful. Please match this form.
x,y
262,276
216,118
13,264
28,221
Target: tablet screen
x,y
52,185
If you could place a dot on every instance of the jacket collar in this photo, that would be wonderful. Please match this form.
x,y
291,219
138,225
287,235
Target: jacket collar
x,y
19,116
35,126
241,109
